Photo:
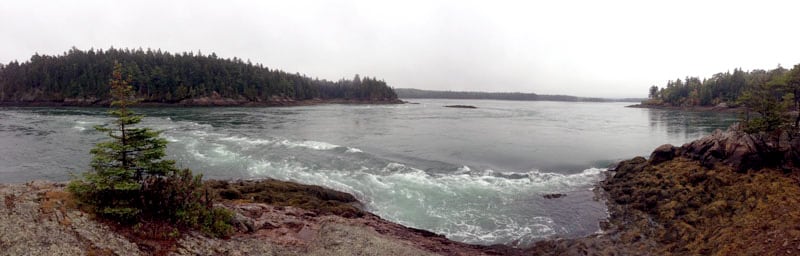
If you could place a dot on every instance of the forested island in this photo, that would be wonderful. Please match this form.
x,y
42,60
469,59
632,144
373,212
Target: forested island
x,y
79,77
726,89
408,93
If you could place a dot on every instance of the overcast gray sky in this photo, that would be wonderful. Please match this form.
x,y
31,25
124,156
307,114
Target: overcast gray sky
x,y
586,48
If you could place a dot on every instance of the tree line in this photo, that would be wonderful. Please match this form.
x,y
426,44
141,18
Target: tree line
x,y
160,76
724,87
771,98
429,94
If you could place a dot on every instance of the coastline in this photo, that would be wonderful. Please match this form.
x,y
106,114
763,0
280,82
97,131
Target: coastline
x,y
722,194
205,103
690,108
42,212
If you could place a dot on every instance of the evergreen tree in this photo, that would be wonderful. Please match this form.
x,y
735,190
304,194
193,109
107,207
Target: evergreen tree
x,y
158,76
129,180
770,102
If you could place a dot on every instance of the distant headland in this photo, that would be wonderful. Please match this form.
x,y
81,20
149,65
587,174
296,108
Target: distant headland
x,y
410,93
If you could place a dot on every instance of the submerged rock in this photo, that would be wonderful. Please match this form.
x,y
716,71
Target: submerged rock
x,y
460,106
553,196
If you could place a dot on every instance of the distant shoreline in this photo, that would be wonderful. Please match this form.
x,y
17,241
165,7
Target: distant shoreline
x,y
691,108
410,93
205,103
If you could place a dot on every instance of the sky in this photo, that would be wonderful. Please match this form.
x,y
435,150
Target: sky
x,y
585,48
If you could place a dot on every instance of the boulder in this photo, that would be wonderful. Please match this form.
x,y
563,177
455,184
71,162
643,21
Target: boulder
x,y
662,154
745,151
460,106
553,196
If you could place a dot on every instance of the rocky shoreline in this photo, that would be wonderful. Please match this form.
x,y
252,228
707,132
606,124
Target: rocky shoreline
x,y
730,193
41,218
723,109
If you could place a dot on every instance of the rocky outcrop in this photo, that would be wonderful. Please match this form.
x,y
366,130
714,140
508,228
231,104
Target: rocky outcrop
x,y
41,218
37,218
738,149
729,193
681,207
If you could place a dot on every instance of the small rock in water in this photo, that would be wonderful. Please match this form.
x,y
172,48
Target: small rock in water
x,y
553,196
460,106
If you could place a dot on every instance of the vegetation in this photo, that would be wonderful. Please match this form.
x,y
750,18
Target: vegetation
x,y
131,183
281,193
689,209
427,94
766,94
157,76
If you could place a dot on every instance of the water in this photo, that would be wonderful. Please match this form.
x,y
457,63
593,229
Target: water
x,y
474,175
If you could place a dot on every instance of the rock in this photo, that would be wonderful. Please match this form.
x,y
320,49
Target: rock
x,y
744,151
35,220
460,106
662,154
243,223
553,196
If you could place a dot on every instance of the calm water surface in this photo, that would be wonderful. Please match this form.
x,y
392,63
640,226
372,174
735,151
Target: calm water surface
x,y
475,175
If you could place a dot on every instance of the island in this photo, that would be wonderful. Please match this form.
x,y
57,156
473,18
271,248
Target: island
x,y
730,92
79,78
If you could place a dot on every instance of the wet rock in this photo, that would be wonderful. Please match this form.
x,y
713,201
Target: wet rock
x,y
460,106
662,154
553,196
744,151
40,222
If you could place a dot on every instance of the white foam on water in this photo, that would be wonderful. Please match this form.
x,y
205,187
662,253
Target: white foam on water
x,y
81,125
249,141
310,144
474,208
353,150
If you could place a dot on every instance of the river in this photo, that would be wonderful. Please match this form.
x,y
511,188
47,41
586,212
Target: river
x,y
474,175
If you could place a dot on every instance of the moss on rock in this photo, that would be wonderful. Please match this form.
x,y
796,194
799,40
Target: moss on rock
x,y
281,193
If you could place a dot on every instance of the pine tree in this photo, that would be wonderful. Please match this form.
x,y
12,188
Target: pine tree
x,y
130,182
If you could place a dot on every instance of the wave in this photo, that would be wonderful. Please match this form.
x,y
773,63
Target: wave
x,y
465,204
309,144
474,207
353,150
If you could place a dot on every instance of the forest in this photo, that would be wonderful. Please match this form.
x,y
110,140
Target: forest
x,y
162,77
724,87
770,98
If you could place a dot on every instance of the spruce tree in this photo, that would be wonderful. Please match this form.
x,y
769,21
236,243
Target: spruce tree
x,y
130,182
